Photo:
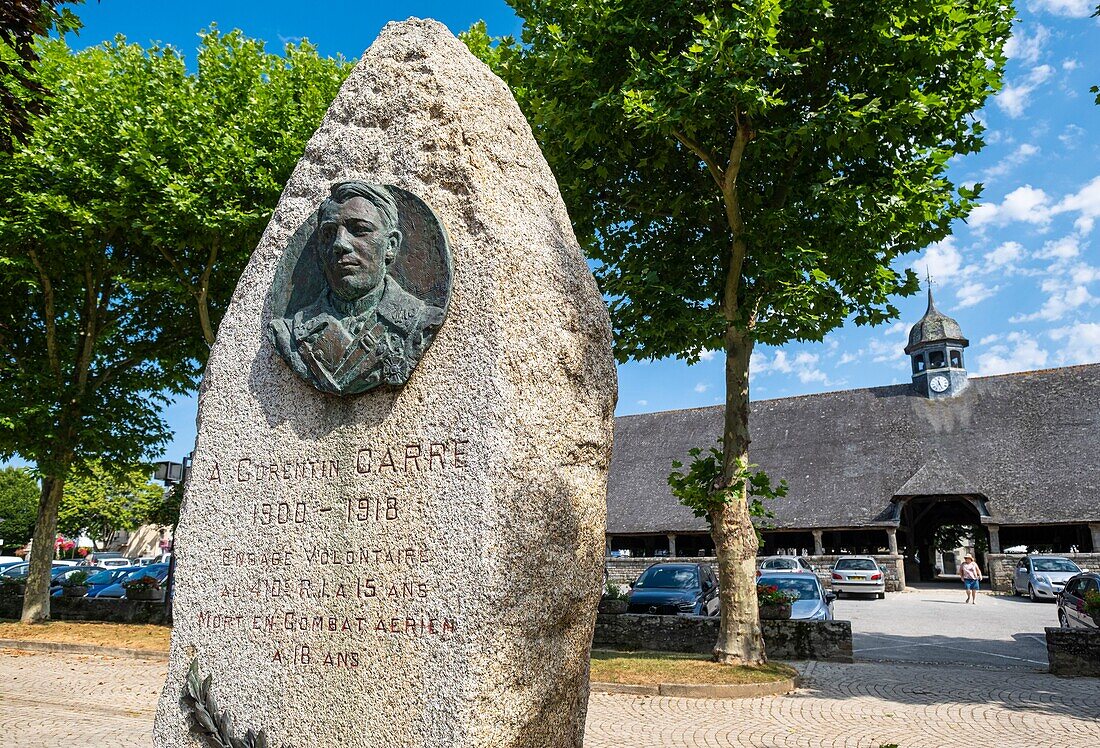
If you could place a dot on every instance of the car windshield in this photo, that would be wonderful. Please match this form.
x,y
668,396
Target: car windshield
x,y
107,576
670,577
780,563
801,589
856,564
1055,564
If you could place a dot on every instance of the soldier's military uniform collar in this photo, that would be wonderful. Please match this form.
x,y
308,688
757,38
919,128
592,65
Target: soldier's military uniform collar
x,y
359,306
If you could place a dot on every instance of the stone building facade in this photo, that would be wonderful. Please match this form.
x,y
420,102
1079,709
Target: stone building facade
x,y
880,470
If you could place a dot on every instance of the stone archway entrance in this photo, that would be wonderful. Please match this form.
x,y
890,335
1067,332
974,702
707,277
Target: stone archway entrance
x,y
920,520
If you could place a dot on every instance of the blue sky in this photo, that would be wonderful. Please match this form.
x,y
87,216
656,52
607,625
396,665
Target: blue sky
x,y
1022,277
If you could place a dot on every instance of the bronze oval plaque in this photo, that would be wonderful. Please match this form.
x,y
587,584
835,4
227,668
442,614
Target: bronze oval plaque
x,y
362,289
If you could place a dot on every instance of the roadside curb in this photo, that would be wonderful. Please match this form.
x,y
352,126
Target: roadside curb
x,y
37,646
701,690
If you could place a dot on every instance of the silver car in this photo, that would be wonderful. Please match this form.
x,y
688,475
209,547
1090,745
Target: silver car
x,y
1043,577
860,574
794,564
811,601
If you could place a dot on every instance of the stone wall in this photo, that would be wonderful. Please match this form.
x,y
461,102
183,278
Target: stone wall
x,y
784,640
91,609
1074,651
1000,567
623,571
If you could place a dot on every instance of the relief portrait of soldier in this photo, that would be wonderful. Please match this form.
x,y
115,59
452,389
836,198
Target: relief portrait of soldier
x,y
363,329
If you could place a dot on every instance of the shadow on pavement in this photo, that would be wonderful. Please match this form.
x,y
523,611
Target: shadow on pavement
x,y
916,685
1026,652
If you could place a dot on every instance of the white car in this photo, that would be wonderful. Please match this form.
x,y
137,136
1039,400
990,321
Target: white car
x,y
787,564
114,563
860,574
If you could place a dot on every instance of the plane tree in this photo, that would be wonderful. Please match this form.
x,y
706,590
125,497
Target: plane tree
x,y
750,173
125,220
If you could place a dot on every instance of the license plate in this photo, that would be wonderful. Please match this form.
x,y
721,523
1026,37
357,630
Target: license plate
x,y
857,579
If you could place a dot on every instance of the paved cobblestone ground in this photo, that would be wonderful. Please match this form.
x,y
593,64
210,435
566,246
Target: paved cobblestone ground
x,y
52,700
936,626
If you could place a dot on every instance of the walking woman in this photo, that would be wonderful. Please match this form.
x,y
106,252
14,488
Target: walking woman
x,y
971,576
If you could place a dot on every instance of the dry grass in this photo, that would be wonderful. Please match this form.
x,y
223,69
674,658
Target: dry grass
x,y
660,667
125,635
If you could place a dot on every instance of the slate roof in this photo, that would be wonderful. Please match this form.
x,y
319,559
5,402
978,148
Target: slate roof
x,y
934,326
1029,443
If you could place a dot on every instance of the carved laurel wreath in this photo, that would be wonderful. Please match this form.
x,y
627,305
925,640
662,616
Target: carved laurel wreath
x,y
218,726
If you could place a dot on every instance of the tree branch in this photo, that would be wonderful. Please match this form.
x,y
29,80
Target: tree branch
x,y
51,317
704,154
202,296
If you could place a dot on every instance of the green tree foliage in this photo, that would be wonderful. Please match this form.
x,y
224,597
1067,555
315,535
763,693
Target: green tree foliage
x,y
100,502
22,97
750,172
125,221
18,504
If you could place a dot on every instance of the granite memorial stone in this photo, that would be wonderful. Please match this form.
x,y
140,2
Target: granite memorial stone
x,y
393,530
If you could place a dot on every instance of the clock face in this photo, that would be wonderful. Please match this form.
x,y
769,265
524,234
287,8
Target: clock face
x,y
939,384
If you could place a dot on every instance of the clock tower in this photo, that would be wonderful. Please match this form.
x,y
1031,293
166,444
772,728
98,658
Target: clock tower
x,y
936,346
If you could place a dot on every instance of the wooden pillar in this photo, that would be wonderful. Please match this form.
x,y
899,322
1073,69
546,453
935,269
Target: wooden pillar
x,y
672,544
892,540
819,547
995,538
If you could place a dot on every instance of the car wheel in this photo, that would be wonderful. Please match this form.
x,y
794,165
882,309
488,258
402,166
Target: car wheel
x,y
1031,593
1062,620
882,596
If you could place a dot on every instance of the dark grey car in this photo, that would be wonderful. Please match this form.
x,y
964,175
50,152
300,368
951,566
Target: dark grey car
x,y
1071,601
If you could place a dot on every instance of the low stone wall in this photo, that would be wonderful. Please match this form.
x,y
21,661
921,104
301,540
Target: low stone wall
x,y
1000,567
623,571
784,640
91,609
1074,651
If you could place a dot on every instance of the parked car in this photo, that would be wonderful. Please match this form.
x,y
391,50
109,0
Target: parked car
x,y
116,590
812,602
689,589
1071,601
860,574
1043,577
21,570
58,579
104,578
6,562
795,564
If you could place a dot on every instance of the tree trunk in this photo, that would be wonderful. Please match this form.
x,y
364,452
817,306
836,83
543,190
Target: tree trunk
x,y
36,602
740,637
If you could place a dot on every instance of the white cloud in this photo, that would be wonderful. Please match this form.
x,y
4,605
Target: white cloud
x,y
1060,249
1062,298
1072,136
1016,351
803,365
1080,343
1027,47
707,355
1015,97
702,387
1071,8
974,292
1010,162
1004,257
643,403
888,346
1070,65
1026,203
1085,202
941,260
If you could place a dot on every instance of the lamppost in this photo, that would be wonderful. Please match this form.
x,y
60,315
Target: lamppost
x,y
172,474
